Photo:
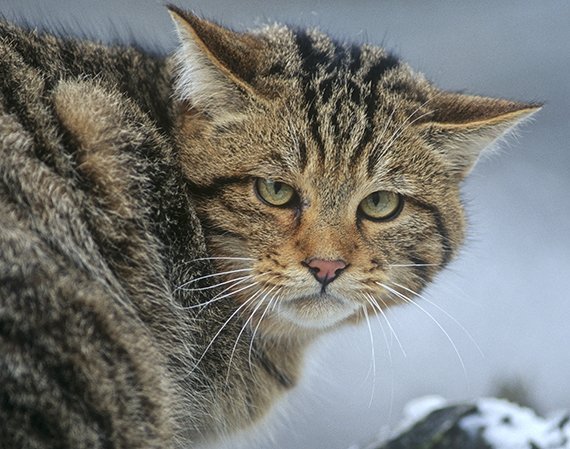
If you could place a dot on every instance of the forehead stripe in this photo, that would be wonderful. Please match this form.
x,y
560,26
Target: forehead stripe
x,y
373,77
311,59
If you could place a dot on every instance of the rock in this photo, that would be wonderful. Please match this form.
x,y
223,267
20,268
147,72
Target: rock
x,y
484,424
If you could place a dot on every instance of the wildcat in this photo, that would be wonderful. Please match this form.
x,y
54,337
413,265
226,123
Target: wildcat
x,y
175,231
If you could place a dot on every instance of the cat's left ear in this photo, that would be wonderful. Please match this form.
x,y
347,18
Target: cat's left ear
x,y
215,65
462,126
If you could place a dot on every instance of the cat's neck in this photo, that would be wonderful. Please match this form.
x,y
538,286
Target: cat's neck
x,y
246,377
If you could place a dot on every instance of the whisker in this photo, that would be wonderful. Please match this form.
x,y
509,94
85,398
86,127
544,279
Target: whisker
x,y
222,258
373,357
276,303
377,316
267,293
243,280
442,310
240,270
374,302
227,295
213,299
258,324
201,259
210,287
410,301
413,265
259,293
240,279
221,294
235,312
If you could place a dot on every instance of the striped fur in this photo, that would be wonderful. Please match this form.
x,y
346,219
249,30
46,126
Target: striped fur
x,y
121,172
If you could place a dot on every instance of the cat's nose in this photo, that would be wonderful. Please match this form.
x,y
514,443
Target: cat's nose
x,y
325,271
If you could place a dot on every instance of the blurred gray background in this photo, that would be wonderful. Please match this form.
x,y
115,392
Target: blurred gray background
x,y
510,288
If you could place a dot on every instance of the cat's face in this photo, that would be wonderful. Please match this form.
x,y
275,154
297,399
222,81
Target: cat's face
x,y
275,201
326,176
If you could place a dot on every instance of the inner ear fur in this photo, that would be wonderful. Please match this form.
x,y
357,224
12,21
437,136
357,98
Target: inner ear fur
x,y
216,66
462,126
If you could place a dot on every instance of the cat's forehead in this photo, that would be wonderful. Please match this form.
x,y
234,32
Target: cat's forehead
x,y
346,103
314,54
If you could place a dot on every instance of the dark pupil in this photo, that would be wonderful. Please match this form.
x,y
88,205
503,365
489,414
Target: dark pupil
x,y
277,186
375,198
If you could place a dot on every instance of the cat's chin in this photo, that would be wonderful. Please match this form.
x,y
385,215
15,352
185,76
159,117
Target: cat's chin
x,y
317,311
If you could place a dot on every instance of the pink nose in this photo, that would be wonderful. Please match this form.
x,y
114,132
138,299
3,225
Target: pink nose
x,y
325,271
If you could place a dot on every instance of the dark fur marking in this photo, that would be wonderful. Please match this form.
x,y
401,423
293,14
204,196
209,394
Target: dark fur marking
x,y
355,92
273,371
311,60
276,157
334,119
217,185
373,76
276,69
421,267
326,88
447,249
302,154
219,231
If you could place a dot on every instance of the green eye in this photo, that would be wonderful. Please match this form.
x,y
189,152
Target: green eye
x,y
274,193
381,205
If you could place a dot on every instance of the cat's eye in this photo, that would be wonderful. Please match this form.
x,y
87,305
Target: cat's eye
x,y
381,205
274,193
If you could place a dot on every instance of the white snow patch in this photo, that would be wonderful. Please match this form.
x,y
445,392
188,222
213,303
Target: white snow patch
x,y
508,426
419,408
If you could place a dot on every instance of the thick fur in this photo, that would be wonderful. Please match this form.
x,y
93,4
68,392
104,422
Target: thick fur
x,y
121,173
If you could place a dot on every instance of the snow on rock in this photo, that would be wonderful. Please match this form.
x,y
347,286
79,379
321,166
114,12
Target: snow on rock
x,y
508,426
419,408
431,423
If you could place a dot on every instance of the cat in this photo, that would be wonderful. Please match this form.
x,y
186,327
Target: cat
x,y
176,230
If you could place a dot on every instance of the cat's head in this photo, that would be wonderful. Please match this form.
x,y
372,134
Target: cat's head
x,y
326,175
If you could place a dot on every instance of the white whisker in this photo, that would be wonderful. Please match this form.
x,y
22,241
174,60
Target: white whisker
x,y
377,316
227,295
410,301
222,258
374,302
210,287
213,299
201,259
451,317
191,281
373,357
258,324
413,265
235,312
260,302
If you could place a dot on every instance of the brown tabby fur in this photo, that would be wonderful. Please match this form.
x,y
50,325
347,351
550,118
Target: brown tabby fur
x,y
122,172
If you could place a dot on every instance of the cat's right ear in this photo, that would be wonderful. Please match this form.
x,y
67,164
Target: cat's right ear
x,y
215,65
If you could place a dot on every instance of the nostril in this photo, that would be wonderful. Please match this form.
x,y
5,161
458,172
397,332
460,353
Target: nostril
x,y
325,271
314,270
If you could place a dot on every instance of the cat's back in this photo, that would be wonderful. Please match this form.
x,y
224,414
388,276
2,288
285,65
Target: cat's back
x,y
79,362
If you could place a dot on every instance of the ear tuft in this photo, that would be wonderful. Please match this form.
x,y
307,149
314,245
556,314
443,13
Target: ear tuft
x,y
462,126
